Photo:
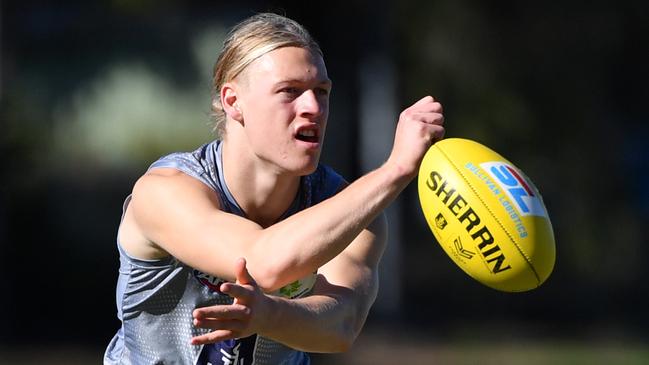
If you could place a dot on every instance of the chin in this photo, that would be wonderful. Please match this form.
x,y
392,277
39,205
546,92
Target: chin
x,y
306,167
306,170
310,170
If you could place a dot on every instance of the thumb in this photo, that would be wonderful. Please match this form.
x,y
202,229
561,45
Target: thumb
x,y
242,274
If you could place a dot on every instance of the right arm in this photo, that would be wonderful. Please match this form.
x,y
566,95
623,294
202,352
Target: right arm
x,y
182,216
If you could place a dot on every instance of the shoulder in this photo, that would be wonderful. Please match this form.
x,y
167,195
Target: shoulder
x,y
202,164
161,194
168,184
188,162
154,195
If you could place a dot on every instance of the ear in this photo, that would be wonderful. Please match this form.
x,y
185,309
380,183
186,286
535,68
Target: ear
x,y
230,101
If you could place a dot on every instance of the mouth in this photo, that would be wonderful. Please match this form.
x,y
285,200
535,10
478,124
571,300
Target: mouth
x,y
308,134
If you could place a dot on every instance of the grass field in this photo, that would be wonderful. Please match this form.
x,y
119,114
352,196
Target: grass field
x,y
527,353
379,346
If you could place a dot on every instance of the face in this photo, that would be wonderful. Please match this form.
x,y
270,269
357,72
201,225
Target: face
x,y
284,100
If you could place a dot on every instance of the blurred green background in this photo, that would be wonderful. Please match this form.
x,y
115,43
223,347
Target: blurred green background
x,y
92,92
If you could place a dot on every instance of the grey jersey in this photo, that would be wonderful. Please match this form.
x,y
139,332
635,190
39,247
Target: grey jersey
x,y
155,298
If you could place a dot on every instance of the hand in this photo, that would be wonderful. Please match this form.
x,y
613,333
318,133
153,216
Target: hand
x,y
420,125
244,317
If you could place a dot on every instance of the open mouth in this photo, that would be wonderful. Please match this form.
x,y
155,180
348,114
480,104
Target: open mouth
x,y
307,135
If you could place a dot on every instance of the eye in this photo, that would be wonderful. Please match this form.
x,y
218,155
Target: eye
x,y
322,91
290,90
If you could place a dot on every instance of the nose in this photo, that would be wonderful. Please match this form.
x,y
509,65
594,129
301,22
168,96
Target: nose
x,y
310,105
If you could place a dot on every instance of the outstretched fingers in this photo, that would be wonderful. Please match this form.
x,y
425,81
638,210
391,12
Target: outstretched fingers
x,y
225,321
213,337
242,294
222,312
241,318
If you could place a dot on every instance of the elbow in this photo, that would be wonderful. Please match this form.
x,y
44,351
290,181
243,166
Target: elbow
x,y
270,271
345,337
343,342
272,274
270,278
267,283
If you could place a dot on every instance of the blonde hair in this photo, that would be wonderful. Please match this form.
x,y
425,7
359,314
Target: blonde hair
x,y
246,42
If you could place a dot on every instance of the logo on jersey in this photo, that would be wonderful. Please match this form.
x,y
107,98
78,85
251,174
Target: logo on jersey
x,y
212,282
229,352
297,288
518,189
231,358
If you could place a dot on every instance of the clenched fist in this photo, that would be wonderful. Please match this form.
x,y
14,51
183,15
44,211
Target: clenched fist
x,y
420,125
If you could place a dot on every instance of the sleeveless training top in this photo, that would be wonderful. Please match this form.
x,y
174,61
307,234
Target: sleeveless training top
x,y
155,298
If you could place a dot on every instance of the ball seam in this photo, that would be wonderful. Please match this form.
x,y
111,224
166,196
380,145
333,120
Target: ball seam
x,y
475,192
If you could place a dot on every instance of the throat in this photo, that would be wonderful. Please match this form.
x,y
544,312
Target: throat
x,y
266,203
270,211
263,192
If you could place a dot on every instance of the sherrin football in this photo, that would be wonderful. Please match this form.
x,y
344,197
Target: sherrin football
x,y
487,215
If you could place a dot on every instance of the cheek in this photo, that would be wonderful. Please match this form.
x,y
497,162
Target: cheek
x,y
270,135
268,124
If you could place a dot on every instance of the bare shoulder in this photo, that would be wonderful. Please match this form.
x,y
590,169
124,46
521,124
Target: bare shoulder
x,y
156,197
160,193
170,185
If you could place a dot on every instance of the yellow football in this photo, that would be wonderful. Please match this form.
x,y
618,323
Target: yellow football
x,y
487,215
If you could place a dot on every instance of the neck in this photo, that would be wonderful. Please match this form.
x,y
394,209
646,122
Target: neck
x,y
263,192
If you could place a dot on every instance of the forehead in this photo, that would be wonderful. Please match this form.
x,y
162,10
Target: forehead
x,y
288,64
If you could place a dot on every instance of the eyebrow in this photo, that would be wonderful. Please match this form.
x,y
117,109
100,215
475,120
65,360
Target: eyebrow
x,y
326,81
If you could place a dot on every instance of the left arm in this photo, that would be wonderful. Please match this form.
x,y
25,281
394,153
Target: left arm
x,y
328,320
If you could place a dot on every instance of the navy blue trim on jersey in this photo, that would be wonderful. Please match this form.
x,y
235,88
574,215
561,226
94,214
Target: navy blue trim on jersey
x,y
230,352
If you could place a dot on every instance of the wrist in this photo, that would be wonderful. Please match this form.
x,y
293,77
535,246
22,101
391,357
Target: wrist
x,y
271,314
400,174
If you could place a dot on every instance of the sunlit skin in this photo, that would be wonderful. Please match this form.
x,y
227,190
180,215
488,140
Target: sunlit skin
x,y
277,115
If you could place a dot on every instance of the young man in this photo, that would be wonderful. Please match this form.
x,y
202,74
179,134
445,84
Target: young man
x,y
247,250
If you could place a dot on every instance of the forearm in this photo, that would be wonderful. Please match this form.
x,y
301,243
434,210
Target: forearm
x,y
210,240
311,238
318,323
328,320
204,236
330,226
